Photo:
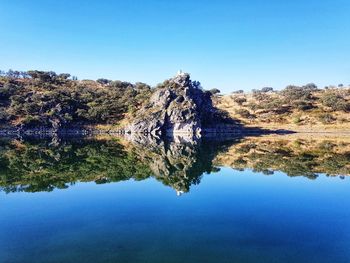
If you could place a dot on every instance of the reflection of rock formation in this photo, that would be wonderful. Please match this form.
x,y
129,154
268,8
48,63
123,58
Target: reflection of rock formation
x,y
34,166
178,163
39,165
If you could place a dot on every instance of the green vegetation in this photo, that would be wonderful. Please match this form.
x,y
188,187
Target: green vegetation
x,y
39,98
335,101
33,166
46,99
40,165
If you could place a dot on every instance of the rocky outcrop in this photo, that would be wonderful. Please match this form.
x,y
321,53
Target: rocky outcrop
x,y
179,106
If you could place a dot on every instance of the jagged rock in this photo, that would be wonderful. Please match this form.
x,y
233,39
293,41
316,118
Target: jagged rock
x,y
180,107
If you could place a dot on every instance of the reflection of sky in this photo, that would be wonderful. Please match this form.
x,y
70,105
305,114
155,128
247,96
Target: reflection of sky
x,y
229,216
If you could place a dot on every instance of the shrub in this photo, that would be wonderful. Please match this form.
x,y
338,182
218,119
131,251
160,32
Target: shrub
x,y
326,118
260,96
297,119
294,93
335,101
272,104
239,100
244,113
303,105
253,106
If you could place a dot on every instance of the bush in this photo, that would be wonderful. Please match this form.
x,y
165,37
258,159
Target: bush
x,y
335,101
303,105
272,105
244,113
260,96
297,119
239,100
253,106
294,93
326,118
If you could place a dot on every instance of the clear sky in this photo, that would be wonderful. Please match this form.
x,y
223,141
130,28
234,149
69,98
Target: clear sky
x,y
230,45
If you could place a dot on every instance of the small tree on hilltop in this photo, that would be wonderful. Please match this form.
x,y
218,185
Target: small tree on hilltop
x,y
214,91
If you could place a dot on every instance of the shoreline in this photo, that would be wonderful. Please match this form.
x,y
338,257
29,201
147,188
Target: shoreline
x,y
89,130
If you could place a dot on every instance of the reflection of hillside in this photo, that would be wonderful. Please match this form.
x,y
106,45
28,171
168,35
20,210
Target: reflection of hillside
x,y
299,157
33,166
40,166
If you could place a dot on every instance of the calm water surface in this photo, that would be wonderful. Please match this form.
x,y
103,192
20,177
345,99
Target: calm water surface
x,y
225,215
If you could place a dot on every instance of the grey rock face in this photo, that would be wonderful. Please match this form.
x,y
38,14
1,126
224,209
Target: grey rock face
x,y
179,107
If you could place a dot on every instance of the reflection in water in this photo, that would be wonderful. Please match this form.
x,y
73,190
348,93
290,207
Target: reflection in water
x,y
38,165
294,157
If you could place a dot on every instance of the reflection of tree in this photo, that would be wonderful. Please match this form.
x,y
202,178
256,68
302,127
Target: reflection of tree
x,y
295,158
33,166
38,166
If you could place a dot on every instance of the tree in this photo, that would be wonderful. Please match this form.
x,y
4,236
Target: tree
x,y
310,86
103,81
214,91
64,76
238,92
43,76
267,89
13,74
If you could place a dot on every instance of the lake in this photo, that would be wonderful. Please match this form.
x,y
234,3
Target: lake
x,y
213,200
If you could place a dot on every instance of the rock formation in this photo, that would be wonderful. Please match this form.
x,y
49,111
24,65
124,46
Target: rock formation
x,y
179,106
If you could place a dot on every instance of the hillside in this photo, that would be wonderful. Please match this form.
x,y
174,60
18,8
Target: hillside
x,y
38,98
46,99
294,108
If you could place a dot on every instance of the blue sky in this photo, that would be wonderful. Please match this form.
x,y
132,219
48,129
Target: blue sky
x,y
230,45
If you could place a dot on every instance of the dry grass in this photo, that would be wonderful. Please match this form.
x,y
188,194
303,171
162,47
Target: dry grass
x,y
252,112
